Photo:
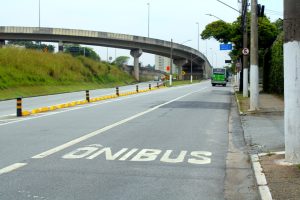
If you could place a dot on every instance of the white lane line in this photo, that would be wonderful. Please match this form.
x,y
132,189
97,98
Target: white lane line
x,y
99,131
40,115
11,168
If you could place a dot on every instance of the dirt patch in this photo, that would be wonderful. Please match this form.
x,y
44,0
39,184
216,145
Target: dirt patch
x,y
284,181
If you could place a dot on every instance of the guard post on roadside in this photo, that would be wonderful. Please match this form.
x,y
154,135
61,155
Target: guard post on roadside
x,y
19,107
149,86
87,95
137,88
117,91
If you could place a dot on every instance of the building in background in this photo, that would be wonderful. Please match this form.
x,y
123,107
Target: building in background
x,y
161,64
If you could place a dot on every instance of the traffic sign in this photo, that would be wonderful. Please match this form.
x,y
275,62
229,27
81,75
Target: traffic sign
x,y
168,68
245,51
183,73
225,46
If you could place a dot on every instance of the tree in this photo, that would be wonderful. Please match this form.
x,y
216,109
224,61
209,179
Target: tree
x,y
77,50
232,32
33,45
121,60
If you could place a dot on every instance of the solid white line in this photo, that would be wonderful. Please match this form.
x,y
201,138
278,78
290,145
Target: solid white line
x,y
99,131
40,115
11,168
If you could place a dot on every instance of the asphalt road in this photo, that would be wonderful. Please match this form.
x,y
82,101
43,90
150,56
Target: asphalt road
x,y
8,108
166,144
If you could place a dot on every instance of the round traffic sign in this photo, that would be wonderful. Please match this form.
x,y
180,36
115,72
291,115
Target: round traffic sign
x,y
245,51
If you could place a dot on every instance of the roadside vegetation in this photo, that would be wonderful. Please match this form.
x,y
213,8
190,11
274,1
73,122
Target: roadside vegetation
x,y
27,72
270,40
179,82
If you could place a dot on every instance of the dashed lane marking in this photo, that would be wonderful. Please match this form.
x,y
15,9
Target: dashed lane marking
x,y
11,168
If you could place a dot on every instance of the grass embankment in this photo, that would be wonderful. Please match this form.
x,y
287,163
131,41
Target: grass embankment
x,y
26,72
184,82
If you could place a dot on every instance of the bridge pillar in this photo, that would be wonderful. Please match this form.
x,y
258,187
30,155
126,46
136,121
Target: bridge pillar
x,y
136,53
60,46
179,63
2,43
206,70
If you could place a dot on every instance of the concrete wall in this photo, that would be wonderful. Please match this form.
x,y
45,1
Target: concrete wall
x,y
145,73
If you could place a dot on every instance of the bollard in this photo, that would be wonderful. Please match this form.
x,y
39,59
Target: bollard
x,y
157,85
137,88
117,91
87,95
19,107
149,86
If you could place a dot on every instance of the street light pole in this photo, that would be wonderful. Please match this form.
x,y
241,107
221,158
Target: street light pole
x,y
148,19
191,68
39,13
185,41
198,34
171,63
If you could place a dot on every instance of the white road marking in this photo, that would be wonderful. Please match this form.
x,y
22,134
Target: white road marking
x,y
144,155
11,168
40,115
102,130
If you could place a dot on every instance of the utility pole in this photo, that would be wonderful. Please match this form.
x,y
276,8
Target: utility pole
x,y
245,45
171,63
254,90
198,34
148,19
39,13
191,68
291,49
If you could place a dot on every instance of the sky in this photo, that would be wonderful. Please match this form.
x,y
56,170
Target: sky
x,y
169,19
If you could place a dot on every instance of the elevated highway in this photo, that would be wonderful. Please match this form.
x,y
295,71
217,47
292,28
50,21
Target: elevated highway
x,y
182,54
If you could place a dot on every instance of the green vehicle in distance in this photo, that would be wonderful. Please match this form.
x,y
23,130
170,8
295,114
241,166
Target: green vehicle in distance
x,y
219,77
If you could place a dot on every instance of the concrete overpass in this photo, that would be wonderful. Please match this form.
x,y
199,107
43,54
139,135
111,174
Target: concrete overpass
x,y
181,54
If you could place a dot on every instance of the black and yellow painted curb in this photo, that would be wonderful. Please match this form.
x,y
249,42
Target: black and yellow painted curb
x,y
80,102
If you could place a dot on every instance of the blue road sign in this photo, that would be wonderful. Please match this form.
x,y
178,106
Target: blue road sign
x,y
225,46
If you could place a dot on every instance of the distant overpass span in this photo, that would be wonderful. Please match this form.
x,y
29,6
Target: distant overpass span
x,y
182,54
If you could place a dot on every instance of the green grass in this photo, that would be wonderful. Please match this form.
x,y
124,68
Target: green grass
x,y
243,101
26,72
184,82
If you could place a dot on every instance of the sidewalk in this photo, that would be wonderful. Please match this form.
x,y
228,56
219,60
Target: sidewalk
x,y
264,134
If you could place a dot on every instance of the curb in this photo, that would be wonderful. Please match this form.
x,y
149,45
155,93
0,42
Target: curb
x,y
261,181
238,103
82,102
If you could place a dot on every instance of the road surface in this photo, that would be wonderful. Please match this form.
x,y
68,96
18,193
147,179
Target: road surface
x,y
165,144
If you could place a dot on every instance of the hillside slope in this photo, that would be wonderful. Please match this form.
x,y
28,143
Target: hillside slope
x,y
26,72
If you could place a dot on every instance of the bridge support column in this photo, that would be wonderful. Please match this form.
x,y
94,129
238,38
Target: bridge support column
x,y
2,43
136,53
179,63
206,70
60,46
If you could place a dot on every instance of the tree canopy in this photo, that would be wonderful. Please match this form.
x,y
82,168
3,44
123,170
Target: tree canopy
x,y
77,50
33,45
232,32
121,60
